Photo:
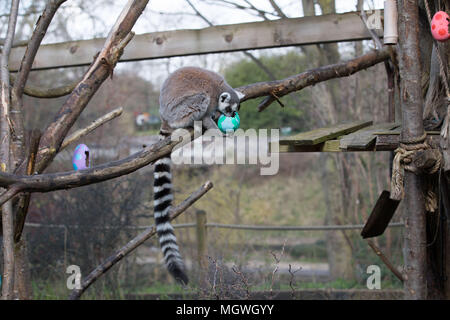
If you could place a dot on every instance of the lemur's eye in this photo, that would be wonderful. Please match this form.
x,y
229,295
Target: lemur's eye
x,y
224,97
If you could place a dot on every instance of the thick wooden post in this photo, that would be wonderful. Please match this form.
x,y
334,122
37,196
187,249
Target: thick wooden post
x,y
412,128
201,239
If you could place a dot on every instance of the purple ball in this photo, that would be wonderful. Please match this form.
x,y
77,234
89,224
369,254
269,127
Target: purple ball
x,y
81,157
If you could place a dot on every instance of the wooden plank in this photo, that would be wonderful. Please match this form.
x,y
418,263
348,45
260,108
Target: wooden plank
x,y
396,131
380,216
384,142
390,142
225,38
327,146
317,136
365,138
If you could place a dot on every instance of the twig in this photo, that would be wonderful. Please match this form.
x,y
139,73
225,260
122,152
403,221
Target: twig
x,y
277,262
34,44
248,54
136,242
385,260
251,8
277,8
77,135
291,280
9,194
244,280
372,33
261,13
216,270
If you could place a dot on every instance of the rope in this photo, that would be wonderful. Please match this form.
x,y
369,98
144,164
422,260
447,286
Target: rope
x,y
442,70
403,160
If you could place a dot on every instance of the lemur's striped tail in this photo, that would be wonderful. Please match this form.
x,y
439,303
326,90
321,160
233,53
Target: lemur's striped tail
x,y
163,197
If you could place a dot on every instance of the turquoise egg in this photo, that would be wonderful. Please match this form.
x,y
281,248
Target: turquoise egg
x,y
226,124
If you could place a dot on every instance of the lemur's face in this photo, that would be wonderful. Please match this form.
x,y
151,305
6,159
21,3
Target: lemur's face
x,y
229,102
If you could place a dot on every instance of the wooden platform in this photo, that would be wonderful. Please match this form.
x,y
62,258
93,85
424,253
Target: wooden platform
x,y
349,137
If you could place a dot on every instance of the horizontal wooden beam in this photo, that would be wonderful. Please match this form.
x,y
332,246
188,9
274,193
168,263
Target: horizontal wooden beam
x,y
224,38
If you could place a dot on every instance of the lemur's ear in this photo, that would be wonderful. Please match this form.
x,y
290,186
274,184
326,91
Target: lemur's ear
x,y
239,94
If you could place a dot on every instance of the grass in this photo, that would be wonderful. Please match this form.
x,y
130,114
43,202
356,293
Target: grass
x,y
56,290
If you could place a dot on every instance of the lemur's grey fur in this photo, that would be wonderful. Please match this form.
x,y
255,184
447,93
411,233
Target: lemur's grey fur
x,y
189,94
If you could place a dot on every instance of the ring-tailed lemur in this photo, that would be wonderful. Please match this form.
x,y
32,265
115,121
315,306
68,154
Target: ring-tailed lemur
x,y
189,94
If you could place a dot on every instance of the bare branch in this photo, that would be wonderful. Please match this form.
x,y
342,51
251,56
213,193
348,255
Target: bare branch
x,y
250,8
199,14
9,194
77,135
33,45
261,13
248,54
385,260
46,93
292,278
100,69
277,9
372,33
137,241
259,63
73,179
280,88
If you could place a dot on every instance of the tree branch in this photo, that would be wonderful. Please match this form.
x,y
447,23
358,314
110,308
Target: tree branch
x,y
385,260
46,93
68,180
100,69
280,88
77,135
5,136
137,241
9,194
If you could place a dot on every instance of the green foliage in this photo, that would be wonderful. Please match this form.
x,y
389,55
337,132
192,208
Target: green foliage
x,y
245,72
